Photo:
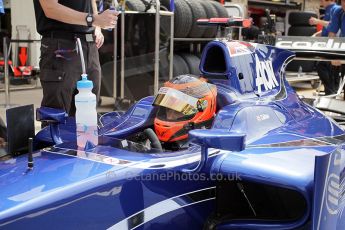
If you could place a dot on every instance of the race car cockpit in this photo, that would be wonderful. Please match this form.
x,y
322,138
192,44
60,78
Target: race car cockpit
x,y
184,103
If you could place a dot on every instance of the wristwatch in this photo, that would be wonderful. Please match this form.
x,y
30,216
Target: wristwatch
x,y
89,19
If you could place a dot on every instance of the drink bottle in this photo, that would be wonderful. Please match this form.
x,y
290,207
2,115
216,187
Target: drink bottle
x,y
86,114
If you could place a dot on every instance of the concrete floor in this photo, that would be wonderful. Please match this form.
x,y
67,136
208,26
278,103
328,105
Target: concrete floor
x,y
27,94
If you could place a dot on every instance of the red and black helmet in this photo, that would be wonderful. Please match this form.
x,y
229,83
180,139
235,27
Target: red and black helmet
x,y
185,102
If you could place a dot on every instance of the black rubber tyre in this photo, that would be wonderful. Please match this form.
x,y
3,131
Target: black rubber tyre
x,y
211,12
307,66
135,5
222,13
182,19
107,80
300,18
180,66
164,66
301,30
193,63
198,12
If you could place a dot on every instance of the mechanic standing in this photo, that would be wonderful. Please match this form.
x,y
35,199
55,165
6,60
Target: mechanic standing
x,y
61,22
324,69
337,26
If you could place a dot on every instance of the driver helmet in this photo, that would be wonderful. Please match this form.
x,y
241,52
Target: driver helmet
x,y
184,103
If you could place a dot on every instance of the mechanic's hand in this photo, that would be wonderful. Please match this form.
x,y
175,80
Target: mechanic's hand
x,y
336,63
313,21
106,20
99,37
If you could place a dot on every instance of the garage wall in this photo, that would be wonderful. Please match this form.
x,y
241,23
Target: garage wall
x,y
23,14
310,5
243,4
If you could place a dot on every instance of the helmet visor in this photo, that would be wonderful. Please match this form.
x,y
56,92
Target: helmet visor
x,y
176,100
166,114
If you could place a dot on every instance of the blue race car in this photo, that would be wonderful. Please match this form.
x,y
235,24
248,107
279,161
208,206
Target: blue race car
x,y
263,160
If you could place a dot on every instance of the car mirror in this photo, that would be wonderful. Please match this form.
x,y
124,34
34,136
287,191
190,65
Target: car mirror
x,y
218,139
214,138
51,115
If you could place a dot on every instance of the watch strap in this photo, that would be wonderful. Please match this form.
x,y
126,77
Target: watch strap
x,y
89,19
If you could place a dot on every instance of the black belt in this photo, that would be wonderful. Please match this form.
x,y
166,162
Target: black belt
x,y
69,36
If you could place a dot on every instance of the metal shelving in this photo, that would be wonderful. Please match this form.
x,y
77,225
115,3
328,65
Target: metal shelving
x,y
158,14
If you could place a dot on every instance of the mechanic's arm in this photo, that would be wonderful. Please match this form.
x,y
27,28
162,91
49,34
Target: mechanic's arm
x,y
314,21
98,33
54,10
332,35
334,25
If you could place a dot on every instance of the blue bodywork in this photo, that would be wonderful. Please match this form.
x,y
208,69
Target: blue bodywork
x,y
287,173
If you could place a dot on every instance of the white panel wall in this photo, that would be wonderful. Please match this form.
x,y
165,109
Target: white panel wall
x,y
310,5
23,14
243,4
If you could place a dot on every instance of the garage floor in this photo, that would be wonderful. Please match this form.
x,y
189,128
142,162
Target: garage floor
x,y
27,94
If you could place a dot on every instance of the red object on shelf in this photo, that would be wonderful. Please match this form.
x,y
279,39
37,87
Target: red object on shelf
x,y
319,27
18,71
23,56
2,62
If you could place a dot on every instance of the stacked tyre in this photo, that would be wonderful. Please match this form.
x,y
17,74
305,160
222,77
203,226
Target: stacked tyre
x,y
211,12
182,19
187,12
186,63
299,26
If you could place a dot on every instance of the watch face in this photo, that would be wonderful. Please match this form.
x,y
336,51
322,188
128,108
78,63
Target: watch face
x,y
89,18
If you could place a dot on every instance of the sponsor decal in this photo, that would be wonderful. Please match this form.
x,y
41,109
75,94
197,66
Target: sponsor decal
x,y
329,204
262,117
333,188
332,198
265,75
239,48
326,45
